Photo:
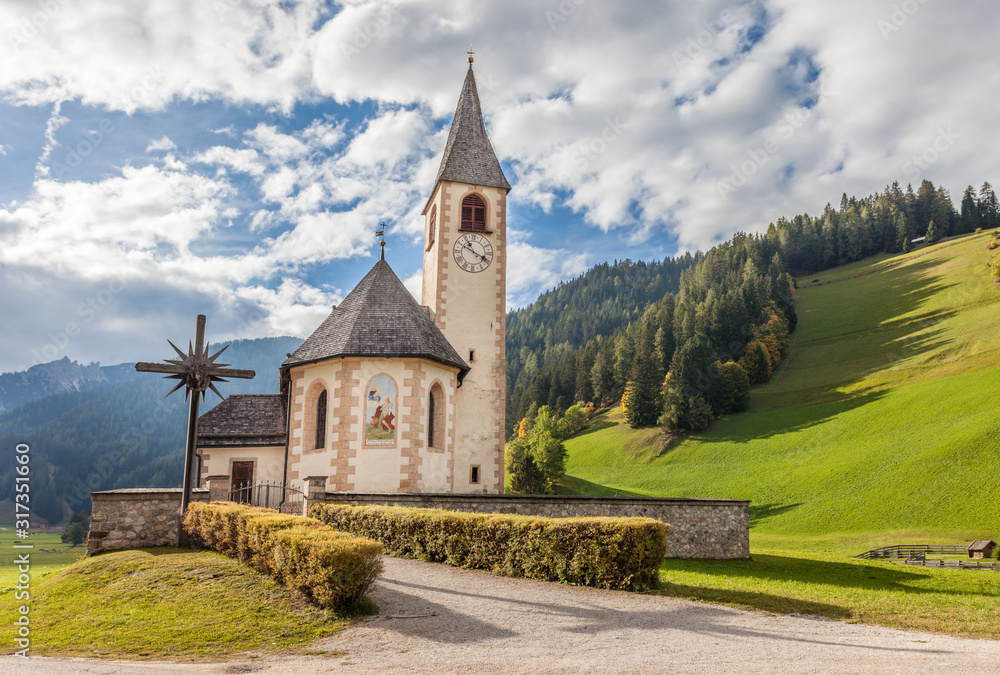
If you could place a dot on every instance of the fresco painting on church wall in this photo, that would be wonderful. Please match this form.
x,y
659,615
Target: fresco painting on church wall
x,y
380,425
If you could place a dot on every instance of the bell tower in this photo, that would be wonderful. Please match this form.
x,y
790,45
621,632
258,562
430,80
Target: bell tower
x,y
464,285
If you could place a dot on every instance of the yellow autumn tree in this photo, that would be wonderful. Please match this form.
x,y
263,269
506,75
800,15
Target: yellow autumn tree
x,y
627,397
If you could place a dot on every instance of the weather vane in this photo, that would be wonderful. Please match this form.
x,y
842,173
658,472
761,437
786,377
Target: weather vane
x,y
380,232
199,372
470,53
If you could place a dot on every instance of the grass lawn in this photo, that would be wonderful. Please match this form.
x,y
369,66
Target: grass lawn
x,y
955,602
880,428
164,603
48,555
875,431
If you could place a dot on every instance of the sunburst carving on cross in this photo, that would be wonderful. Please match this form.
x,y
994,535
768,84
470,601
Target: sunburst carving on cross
x,y
198,372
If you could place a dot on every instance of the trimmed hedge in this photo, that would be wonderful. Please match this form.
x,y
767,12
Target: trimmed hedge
x,y
602,552
332,568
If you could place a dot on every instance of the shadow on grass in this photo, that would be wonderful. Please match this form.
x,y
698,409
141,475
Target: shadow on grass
x,y
571,485
767,602
596,426
775,568
759,513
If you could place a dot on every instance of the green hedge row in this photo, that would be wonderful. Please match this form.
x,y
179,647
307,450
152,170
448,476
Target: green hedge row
x,y
332,568
602,552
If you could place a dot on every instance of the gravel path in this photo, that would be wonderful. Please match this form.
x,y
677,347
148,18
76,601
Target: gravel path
x,y
438,619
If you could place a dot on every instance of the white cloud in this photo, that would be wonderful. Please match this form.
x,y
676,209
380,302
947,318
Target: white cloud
x,y
531,269
636,113
414,284
126,56
636,116
51,127
4,149
162,143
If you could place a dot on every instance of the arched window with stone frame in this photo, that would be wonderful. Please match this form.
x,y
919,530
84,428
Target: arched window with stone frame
x,y
316,416
432,228
321,406
436,417
474,213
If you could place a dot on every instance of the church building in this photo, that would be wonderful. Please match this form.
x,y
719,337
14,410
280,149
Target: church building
x,y
387,395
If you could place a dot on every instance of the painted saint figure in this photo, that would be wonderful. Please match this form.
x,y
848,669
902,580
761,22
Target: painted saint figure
x,y
381,429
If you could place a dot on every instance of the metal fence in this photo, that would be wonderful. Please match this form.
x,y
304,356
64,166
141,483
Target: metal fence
x,y
269,495
911,551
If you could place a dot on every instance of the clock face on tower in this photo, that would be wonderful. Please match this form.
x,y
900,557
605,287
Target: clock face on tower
x,y
473,252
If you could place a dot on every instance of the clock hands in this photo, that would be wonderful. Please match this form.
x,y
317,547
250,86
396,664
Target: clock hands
x,y
468,245
473,253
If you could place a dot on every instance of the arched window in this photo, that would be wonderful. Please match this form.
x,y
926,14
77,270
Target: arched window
x,y
435,418
474,213
321,420
433,227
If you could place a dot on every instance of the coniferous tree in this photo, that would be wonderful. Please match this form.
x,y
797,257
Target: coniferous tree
x,y
730,392
970,211
603,373
624,359
644,387
932,233
584,388
989,210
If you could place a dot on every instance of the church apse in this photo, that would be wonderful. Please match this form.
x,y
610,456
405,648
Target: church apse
x,y
380,428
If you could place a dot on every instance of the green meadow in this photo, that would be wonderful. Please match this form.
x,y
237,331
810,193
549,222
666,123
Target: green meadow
x,y
47,555
164,603
881,427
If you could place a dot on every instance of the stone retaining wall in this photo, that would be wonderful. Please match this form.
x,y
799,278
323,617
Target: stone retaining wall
x,y
136,518
700,528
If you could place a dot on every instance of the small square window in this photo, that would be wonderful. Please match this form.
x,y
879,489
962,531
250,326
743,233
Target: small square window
x,y
474,475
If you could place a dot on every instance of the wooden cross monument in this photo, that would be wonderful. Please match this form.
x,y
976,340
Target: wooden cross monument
x,y
198,372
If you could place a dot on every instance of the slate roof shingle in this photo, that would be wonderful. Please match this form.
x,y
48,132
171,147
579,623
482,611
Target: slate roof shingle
x,y
379,318
244,420
468,155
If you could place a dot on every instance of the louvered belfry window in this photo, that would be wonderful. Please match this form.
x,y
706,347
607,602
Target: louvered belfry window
x,y
474,213
321,421
433,227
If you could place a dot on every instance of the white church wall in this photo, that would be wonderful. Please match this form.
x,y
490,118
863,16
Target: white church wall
x,y
437,464
360,456
470,309
269,462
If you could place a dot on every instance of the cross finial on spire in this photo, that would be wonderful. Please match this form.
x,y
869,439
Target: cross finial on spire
x,y
381,233
470,54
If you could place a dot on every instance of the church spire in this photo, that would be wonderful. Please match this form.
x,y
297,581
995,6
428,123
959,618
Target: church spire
x,y
468,155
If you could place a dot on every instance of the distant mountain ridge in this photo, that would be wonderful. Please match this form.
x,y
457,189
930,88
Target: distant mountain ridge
x,y
57,377
109,427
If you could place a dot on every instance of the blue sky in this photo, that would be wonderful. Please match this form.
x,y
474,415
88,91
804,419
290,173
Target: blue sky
x,y
164,159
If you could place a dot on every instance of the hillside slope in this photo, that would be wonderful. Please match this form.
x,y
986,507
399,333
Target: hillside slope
x,y
116,433
883,418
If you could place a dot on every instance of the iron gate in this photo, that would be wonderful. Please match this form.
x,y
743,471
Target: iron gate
x,y
269,495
